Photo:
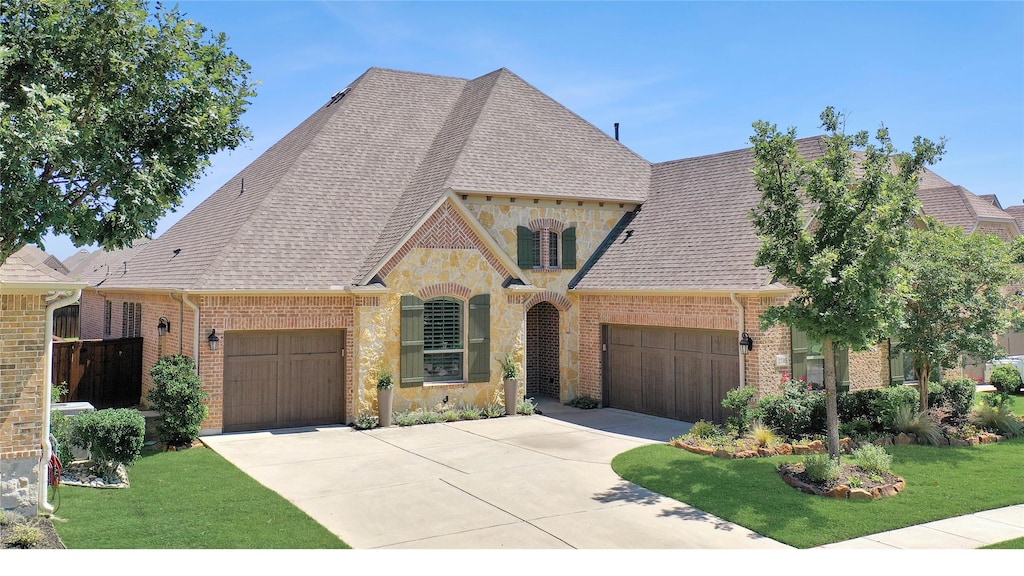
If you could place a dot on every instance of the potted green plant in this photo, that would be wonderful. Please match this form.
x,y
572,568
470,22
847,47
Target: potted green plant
x,y
510,374
385,395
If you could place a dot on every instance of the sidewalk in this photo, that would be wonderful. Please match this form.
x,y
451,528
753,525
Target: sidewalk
x,y
960,533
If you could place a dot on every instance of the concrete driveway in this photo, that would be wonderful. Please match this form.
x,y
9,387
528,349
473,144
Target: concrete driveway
x,y
525,482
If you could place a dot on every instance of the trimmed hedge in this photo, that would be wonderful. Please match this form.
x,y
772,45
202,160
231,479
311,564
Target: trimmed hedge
x,y
179,397
112,436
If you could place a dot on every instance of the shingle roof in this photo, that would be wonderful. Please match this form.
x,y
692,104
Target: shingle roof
x,y
33,253
71,262
694,232
324,204
25,267
991,199
98,267
957,206
1018,214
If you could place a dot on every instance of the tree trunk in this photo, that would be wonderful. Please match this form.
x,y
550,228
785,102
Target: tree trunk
x,y
922,385
831,405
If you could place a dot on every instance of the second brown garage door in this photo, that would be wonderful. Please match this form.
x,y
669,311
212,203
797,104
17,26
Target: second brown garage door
x,y
670,372
283,379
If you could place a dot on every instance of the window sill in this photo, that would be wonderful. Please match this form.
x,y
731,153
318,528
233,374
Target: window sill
x,y
449,383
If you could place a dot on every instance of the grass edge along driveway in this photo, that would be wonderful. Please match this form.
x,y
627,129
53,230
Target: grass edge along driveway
x,y
942,482
189,499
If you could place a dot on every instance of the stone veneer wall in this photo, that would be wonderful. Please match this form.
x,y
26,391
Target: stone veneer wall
x,y
22,399
285,312
593,222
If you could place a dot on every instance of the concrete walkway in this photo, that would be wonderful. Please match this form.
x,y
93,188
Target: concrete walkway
x,y
520,483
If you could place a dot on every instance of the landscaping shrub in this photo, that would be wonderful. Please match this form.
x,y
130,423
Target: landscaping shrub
x,y
858,405
856,428
763,435
408,418
428,417
997,418
584,402
25,535
1006,377
798,412
366,421
493,410
957,397
925,424
704,429
60,427
891,400
113,436
738,400
472,413
179,397
873,458
526,406
821,468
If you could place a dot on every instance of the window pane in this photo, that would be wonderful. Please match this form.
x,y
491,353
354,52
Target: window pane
x,y
442,366
553,249
816,371
442,324
537,262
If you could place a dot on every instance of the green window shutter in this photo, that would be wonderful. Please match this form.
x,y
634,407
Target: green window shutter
x,y
480,338
842,369
412,341
525,237
895,363
569,248
799,354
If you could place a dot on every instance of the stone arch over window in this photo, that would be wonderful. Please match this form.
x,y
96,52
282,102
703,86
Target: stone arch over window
x,y
445,289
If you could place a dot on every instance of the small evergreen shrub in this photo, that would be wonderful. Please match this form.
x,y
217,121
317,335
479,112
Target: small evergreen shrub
x,y
957,397
821,468
1006,377
584,403
407,418
526,406
179,397
738,400
113,436
856,428
704,429
451,415
472,413
796,413
25,535
428,417
892,400
493,410
858,405
873,458
60,427
366,421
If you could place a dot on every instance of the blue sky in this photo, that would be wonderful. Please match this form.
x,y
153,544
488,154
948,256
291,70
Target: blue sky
x,y
682,78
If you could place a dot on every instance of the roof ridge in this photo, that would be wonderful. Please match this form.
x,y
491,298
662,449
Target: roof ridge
x,y
727,152
258,210
476,120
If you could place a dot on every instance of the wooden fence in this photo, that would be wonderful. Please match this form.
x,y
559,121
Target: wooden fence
x,y
65,321
105,373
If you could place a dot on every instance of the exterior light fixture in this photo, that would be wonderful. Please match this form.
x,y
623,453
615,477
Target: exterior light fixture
x,y
213,339
746,342
163,327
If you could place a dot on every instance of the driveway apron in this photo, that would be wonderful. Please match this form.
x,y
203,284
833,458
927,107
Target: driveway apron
x,y
523,482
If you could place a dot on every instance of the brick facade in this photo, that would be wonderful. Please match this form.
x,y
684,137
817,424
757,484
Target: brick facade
x,y
22,398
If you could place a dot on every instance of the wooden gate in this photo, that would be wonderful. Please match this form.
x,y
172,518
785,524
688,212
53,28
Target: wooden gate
x,y
105,373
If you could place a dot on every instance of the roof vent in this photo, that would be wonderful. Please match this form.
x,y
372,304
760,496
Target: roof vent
x,y
616,131
337,97
177,251
628,234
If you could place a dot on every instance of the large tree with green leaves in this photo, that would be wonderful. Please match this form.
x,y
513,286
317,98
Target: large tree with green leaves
x,y
956,298
831,227
109,113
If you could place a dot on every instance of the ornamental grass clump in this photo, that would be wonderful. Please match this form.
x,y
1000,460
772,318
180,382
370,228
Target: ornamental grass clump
x,y
763,435
997,418
923,424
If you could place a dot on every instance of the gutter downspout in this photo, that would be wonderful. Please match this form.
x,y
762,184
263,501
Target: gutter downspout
x,y
743,357
44,506
195,329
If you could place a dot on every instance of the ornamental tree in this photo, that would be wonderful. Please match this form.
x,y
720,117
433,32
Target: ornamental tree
x,y
108,116
831,228
957,297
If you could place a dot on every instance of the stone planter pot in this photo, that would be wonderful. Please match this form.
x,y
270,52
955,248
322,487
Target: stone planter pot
x,y
385,400
511,396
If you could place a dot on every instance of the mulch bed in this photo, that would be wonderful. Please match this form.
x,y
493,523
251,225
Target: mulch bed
x,y
50,540
864,487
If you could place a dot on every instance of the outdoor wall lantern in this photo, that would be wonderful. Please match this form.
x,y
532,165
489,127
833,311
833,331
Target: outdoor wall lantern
x,y
163,327
746,342
213,339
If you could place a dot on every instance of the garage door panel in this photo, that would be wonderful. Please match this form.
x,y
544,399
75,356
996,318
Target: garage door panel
x,y
283,378
671,372
656,368
250,392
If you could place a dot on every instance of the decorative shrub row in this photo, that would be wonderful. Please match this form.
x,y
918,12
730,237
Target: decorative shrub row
x,y
113,437
368,420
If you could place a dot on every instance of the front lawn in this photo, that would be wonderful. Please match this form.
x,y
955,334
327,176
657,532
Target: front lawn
x,y
1015,544
187,499
942,482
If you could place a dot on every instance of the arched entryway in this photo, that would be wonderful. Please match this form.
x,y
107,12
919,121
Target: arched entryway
x,y
542,362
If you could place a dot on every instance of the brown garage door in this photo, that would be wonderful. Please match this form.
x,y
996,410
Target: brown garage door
x,y
670,372
283,379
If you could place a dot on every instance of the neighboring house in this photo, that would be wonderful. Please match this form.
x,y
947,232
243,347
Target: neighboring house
x,y
29,293
435,224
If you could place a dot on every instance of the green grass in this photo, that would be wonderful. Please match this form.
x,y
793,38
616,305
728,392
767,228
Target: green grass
x,y
1018,401
1015,544
187,499
942,482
